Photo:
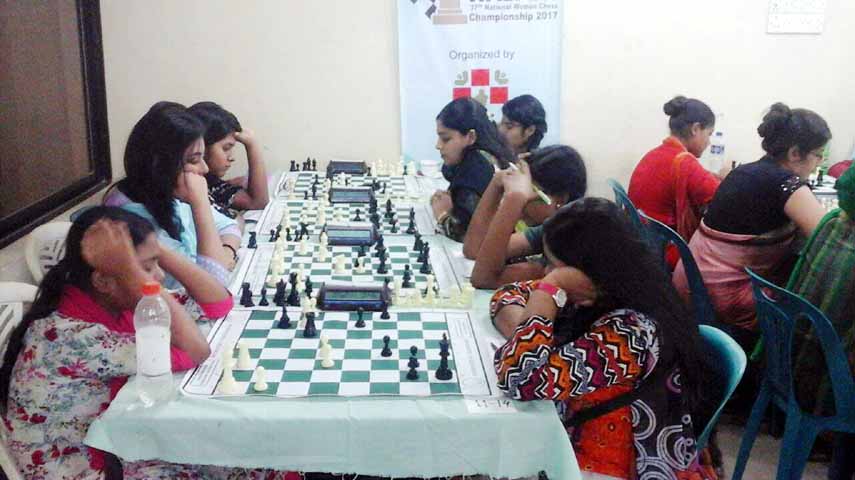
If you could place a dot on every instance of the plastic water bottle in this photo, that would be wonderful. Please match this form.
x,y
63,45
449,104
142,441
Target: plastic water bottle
x,y
154,365
717,151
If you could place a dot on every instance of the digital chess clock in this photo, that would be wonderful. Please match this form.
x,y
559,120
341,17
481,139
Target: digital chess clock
x,y
349,167
353,233
352,297
351,195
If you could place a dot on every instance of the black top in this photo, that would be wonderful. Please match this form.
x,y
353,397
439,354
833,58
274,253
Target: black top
x,y
750,200
467,182
222,194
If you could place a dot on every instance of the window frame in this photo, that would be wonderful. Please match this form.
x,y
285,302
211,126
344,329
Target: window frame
x,y
20,223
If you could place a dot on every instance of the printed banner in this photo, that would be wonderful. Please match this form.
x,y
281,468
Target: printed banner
x,y
491,50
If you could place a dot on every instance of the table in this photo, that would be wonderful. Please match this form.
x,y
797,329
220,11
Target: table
x,y
388,436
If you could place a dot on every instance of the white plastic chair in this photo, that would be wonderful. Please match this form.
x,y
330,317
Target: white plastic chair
x,y
13,296
45,247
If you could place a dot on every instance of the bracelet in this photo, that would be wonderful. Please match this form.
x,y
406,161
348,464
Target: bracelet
x,y
234,252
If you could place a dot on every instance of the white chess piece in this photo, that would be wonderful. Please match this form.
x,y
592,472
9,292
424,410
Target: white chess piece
x,y
339,264
313,305
228,385
324,239
322,216
244,362
228,359
304,247
323,253
260,380
300,273
270,281
326,353
396,287
360,264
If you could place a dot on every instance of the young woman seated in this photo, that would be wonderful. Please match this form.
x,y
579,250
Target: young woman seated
x,y
75,347
755,214
506,227
605,329
165,184
523,124
222,132
471,149
669,183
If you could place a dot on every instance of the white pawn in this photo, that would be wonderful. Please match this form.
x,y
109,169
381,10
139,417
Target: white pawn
x,y
228,359
313,305
300,273
260,380
360,264
324,239
244,361
304,247
228,385
271,280
429,293
322,216
339,264
323,253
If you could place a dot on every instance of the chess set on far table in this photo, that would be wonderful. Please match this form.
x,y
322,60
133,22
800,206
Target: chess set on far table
x,y
352,300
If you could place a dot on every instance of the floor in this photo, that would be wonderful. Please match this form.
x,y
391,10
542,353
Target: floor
x,y
764,455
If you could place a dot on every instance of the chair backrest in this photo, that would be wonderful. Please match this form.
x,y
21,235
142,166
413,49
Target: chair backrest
x,y
661,236
623,201
45,247
729,362
778,310
13,296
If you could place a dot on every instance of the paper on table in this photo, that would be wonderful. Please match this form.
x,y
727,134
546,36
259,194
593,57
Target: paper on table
x,y
481,406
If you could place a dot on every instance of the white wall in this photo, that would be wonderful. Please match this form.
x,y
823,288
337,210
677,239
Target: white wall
x,y
319,77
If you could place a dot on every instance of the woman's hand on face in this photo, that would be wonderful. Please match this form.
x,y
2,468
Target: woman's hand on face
x,y
517,180
246,137
107,248
579,287
191,188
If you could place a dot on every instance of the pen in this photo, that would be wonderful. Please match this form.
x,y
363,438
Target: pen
x,y
538,191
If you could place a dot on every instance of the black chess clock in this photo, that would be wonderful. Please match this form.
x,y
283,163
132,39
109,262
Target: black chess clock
x,y
347,167
351,195
352,233
352,297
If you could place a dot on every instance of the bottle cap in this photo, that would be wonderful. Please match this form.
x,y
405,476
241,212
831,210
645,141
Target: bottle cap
x,y
150,288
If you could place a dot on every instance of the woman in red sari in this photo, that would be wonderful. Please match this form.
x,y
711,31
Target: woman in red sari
x,y
669,184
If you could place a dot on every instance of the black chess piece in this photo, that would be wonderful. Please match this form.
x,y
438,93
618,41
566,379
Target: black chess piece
x,y
358,217
293,296
314,192
278,231
293,166
405,170
309,286
413,363
272,235
424,254
361,252
394,222
360,321
418,243
284,321
304,230
246,295
411,228
443,372
414,350
389,210
253,243
309,331
408,278
384,188
279,296
412,213
426,268
305,194
314,164
375,219
382,268
288,234
263,302
385,314
380,245
413,374
375,185
386,352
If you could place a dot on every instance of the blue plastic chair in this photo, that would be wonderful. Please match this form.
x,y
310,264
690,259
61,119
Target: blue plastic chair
x,y
777,314
661,236
729,364
625,204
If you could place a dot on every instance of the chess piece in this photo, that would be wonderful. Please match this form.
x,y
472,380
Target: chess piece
x,y
253,243
293,166
279,296
260,384
443,372
309,331
309,286
418,244
382,268
394,228
386,352
339,268
244,361
326,353
293,296
385,314
228,385
358,217
360,322
263,302
408,277
246,296
284,320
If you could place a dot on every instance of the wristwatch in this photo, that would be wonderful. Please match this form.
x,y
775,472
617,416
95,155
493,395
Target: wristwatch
x,y
557,294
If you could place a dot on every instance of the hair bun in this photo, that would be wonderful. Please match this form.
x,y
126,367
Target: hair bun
x,y
775,120
675,106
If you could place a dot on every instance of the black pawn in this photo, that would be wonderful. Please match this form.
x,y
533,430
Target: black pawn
x,y
394,222
278,231
360,321
408,277
288,234
380,244
272,235
382,268
263,302
305,194
385,314
314,192
284,321
411,228
389,210
310,331
413,374
418,244
384,189
413,363
412,213
358,217
279,296
253,243
386,352
246,296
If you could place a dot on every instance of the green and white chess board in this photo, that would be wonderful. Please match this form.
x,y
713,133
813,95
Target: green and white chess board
x,y
293,368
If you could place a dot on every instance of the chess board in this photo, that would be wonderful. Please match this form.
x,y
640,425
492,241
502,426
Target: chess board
x,y
278,209
258,271
293,366
296,184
